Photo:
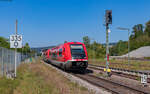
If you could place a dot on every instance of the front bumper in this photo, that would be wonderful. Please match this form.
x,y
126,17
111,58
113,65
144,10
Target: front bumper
x,y
76,65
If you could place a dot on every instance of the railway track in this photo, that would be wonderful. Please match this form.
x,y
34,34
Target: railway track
x,y
123,70
130,76
114,87
110,85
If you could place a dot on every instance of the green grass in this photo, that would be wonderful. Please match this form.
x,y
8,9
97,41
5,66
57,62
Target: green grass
x,y
32,83
7,86
147,58
37,78
26,81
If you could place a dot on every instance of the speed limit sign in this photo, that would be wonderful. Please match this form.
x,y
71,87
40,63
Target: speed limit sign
x,y
15,41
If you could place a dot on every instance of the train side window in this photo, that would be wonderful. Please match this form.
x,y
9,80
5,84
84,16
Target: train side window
x,y
49,53
54,55
64,50
60,52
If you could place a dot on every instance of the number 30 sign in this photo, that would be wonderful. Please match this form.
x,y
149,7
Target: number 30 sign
x,y
15,41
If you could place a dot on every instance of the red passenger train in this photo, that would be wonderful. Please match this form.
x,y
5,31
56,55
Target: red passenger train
x,y
69,56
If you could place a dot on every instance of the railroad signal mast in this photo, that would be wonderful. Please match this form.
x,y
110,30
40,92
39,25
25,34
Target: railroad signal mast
x,y
108,20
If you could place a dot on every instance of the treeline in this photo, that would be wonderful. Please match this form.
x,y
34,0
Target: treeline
x,y
140,36
5,44
94,49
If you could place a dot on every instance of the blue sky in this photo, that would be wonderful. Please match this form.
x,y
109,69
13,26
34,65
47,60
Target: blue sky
x,y
51,22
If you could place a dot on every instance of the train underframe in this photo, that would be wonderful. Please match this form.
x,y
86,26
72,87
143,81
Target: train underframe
x,y
76,65
71,65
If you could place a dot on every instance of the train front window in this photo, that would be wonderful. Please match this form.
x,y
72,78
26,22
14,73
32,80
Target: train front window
x,y
77,51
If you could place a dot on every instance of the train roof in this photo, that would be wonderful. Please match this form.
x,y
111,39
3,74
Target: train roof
x,y
66,43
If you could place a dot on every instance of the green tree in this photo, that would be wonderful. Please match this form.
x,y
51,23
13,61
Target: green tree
x,y
86,41
138,38
4,42
120,48
137,31
147,29
95,50
99,50
26,48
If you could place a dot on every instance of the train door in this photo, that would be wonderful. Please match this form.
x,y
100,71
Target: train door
x,y
61,54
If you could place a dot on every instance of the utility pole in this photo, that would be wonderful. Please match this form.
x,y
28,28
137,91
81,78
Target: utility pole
x,y
108,21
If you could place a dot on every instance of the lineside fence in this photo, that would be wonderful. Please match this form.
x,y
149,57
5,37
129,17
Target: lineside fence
x,y
7,60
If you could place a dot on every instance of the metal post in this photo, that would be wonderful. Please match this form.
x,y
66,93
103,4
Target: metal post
x,y
7,61
120,28
15,62
2,63
128,47
10,60
107,50
16,54
93,52
92,47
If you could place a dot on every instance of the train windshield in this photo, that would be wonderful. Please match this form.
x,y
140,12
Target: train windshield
x,y
77,51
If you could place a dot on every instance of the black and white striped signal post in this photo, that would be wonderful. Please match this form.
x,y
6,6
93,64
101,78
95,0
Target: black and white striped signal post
x,y
108,20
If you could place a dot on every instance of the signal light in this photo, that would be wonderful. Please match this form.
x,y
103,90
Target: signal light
x,y
108,16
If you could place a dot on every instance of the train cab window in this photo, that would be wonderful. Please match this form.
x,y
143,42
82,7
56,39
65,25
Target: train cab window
x,y
60,52
77,51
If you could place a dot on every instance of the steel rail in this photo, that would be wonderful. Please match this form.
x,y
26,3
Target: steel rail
x,y
130,76
114,87
124,70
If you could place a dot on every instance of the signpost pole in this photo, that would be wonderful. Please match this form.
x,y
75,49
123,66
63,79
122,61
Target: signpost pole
x,y
15,42
16,53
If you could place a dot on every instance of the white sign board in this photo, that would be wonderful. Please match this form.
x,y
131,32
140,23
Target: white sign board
x,y
143,79
15,41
